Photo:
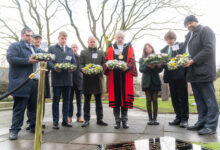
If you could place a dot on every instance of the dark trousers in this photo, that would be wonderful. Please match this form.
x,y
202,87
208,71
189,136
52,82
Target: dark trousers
x,y
179,97
152,97
98,102
78,102
207,106
20,104
57,91
120,111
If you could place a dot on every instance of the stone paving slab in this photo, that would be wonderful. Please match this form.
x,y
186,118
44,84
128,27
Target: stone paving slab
x,y
105,138
60,146
87,138
17,145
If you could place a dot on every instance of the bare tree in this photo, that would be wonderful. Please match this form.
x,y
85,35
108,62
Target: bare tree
x,y
138,17
32,13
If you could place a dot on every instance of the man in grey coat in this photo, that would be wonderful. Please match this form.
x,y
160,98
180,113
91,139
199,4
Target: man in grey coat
x,y
92,84
21,65
201,72
61,80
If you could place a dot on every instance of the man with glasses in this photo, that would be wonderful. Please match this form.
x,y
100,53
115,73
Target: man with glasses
x,y
21,65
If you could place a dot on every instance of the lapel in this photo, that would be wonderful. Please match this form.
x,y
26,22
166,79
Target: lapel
x,y
196,31
25,48
58,46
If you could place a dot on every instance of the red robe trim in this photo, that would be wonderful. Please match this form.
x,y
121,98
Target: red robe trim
x,y
129,89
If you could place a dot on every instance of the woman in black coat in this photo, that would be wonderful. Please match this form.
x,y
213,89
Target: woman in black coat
x,y
151,83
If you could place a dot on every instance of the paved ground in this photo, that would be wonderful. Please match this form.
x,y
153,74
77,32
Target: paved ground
x,y
88,138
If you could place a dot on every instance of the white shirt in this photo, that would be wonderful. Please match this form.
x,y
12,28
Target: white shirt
x,y
120,47
64,47
187,46
35,66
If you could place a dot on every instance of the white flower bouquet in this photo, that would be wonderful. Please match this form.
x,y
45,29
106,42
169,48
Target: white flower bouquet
x,y
178,61
156,59
44,57
65,66
91,69
116,64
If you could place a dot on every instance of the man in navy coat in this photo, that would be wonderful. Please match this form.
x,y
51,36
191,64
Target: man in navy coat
x,y
61,80
21,65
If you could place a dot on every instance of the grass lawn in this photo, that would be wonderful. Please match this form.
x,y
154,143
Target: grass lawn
x,y
212,146
164,106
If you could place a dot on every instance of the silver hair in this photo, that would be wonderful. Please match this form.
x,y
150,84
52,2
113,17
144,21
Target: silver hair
x,y
119,32
25,29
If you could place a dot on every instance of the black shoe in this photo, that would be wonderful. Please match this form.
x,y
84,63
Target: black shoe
x,y
175,122
117,125
150,122
206,131
28,126
56,126
13,136
44,126
196,127
66,124
101,123
125,124
32,130
184,124
85,123
155,122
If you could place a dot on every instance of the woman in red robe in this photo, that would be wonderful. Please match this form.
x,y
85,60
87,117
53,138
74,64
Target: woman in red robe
x,y
120,82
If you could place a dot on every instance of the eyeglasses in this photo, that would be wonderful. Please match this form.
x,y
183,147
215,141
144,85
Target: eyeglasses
x,y
28,35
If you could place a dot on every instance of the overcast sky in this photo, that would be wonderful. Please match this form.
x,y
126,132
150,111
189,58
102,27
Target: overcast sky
x,y
209,8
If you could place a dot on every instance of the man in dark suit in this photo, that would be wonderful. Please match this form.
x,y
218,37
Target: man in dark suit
x,y
21,65
61,80
200,43
177,82
92,84
77,89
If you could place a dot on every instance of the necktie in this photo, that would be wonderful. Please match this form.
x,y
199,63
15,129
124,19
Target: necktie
x,y
62,47
170,52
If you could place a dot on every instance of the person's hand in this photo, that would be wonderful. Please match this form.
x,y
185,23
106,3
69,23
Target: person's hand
x,y
189,63
178,55
125,69
159,65
150,66
58,70
69,70
33,61
83,70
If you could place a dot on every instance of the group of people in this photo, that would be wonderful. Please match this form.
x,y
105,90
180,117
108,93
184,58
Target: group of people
x,y
200,71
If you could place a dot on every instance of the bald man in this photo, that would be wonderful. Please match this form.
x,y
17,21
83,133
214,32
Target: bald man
x,y
92,84
77,89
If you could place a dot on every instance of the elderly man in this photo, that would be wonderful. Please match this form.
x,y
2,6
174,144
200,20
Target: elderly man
x,y
77,89
201,72
61,79
37,39
21,65
120,85
92,84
